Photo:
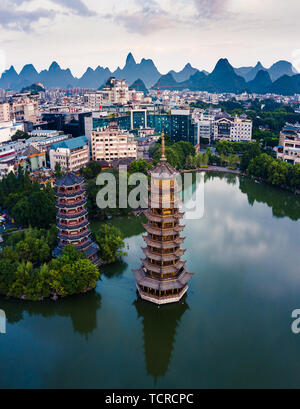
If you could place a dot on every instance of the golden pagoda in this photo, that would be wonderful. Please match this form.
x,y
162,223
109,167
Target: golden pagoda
x,y
163,277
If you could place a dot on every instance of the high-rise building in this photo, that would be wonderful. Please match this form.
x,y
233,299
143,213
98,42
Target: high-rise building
x,y
163,277
111,143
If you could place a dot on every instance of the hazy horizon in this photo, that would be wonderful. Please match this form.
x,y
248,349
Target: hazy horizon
x,y
82,33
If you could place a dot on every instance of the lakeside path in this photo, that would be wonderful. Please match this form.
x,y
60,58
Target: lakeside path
x,y
213,169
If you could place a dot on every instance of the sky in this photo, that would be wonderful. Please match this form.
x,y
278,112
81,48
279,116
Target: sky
x,y
82,33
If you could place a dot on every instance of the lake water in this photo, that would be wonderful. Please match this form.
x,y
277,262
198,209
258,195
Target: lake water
x,y
233,329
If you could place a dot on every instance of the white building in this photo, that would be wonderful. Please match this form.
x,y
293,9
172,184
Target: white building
x,y
8,129
111,143
114,92
237,129
72,154
289,149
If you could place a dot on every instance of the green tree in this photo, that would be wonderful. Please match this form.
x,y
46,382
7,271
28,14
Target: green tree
x,y
111,243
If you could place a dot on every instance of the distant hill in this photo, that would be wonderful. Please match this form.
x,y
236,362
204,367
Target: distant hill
x,y
139,85
184,74
224,77
261,84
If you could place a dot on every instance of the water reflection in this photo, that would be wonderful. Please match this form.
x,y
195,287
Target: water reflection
x,y
159,327
283,204
82,309
114,270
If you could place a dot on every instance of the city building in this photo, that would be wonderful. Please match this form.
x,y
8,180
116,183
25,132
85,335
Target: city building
x,y
4,112
163,277
8,129
72,217
72,154
235,129
111,143
289,145
32,159
45,143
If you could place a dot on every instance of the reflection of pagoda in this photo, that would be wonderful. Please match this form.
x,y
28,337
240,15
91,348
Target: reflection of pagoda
x,y
159,327
163,278
72,217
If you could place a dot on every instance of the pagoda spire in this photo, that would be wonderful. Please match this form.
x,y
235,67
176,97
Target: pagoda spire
x,y
163,156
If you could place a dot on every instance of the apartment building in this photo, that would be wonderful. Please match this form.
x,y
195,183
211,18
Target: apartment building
x,y
4,112
114,92
72,154
110,143
289,149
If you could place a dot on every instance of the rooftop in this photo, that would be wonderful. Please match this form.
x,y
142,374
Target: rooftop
x,y
69,179
73,143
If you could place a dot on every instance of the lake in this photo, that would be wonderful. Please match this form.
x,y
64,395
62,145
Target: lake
x,y
232,330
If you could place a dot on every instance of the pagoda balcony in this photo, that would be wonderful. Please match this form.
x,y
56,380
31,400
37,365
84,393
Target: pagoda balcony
x,y
165,219
64,216
76,226
163,269
80,246
152,295
162,245
74,237
163,257
164,284
68,194
78,203
159,231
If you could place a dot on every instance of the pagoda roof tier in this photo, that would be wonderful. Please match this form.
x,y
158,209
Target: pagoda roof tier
x,y
69,179
92,249
71,206
161,244
163,232
163,269
81,247
162,285
75,237
163,257
71,216
166,219
67,195
163,171
75,227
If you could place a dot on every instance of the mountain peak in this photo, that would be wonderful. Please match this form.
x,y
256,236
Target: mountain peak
x,y
54,66
223,65
130,59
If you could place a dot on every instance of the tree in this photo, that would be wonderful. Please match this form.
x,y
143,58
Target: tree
x,y
41,209
111,242
57,170
233,160
20,135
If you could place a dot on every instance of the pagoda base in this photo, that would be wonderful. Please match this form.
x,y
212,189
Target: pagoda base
x,y
162,300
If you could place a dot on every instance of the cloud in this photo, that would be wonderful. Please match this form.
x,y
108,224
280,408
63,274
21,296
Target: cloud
x,y
12,17
211,9
147,17
77,6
